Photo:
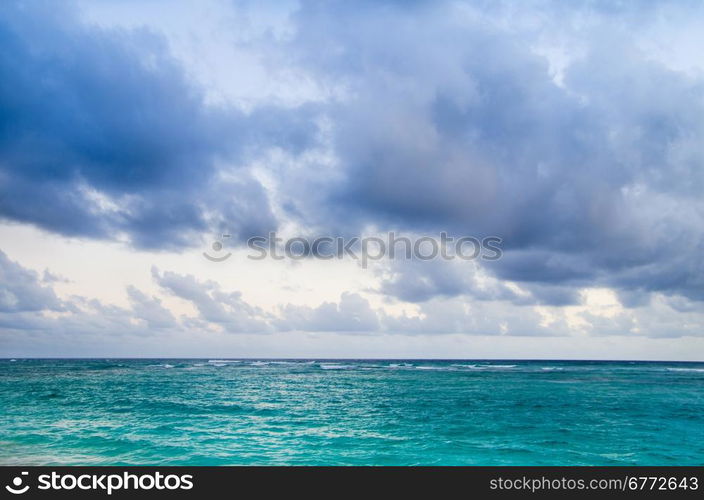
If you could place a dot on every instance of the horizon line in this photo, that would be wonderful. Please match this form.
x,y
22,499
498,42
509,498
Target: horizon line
x,y
109,358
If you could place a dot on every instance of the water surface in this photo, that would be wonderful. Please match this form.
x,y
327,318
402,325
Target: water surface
x,y
382,412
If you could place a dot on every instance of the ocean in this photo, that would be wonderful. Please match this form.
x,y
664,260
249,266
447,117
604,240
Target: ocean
x,y
350,412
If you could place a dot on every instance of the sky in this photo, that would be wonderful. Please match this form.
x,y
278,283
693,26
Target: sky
x,y
135,134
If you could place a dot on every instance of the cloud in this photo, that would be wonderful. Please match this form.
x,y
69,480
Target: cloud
x,y
352,314
37,319
453,118
574,133
150,310
226,309
419,281
443,316
447,116
22,290
103,135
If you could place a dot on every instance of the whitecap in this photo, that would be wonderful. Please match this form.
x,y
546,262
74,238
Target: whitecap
x,y
334,366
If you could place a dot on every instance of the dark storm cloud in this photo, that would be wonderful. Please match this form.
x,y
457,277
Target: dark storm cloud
x,y
444,116
102,135
454,120
420,281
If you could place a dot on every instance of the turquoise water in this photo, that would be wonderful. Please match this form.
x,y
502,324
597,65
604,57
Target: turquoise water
x,y
217,412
